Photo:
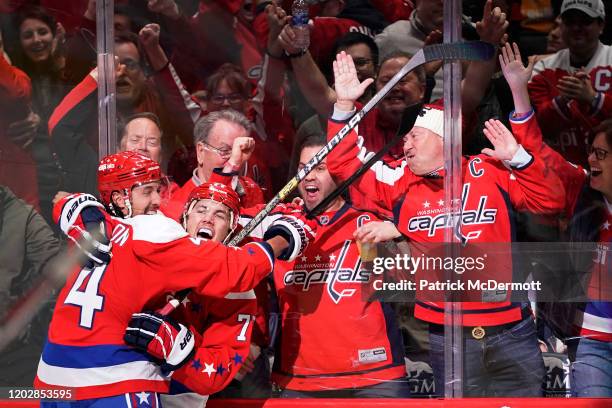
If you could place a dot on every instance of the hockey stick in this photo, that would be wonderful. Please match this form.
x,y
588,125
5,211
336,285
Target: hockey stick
x,y
472,51
409,116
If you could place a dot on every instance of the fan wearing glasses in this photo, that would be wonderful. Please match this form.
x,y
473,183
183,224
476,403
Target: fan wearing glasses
x,y
214,137
588,205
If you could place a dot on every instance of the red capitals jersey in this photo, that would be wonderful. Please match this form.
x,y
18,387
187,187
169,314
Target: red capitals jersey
x,y
222,328
330,336
151,256
420,214
565,125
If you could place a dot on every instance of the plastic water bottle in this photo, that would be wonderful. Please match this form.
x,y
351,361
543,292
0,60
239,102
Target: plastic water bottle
x,y
299,11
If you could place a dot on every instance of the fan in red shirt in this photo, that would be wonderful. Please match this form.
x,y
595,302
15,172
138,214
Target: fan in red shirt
x,y
415,191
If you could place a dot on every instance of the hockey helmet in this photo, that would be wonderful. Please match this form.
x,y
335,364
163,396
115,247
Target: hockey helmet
x,y
123,171
217,192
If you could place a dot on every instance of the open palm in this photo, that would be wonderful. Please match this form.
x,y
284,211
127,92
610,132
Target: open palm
x,y
346,83
511,64
503,141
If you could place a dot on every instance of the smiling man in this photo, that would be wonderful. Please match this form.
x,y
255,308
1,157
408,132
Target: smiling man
x,y
414,189
321,292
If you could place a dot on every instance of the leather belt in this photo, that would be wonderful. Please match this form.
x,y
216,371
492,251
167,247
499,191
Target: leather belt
x,y
480,332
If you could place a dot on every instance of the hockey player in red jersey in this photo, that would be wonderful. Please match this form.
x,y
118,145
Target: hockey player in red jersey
x,y
221,326
415,191
150,256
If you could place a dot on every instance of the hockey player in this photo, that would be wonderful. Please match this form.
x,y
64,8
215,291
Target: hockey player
x,y
222,327
151,255
588,199
415,191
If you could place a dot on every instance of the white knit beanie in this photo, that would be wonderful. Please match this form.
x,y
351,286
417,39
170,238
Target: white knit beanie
x,y
432,118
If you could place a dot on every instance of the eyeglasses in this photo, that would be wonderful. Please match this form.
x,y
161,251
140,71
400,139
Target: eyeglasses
x,y
231,98
224,153
600,154
360,62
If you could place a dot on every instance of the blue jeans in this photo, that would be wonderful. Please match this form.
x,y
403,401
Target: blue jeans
x,y
506,364
592,369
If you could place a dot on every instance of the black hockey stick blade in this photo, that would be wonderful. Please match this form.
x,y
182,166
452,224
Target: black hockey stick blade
x,y
409,116
468,51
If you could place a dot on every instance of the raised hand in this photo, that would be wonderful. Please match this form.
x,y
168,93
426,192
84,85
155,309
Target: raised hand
x,y
149,35
242,149
149,38
504,143
512,67
492,27
277,20
347,85
287,39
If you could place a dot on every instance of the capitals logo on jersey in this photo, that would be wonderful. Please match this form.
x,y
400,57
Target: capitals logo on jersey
x,y
431,220
336,270
330,269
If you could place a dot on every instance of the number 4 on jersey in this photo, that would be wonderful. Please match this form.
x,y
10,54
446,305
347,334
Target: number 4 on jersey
x,y
84,294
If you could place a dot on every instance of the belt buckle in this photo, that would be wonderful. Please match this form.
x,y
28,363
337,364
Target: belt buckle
x,y
478,332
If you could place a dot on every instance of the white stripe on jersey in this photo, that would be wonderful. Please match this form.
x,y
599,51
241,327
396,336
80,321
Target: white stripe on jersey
x,y
156,228
384,173
86,377
597,323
